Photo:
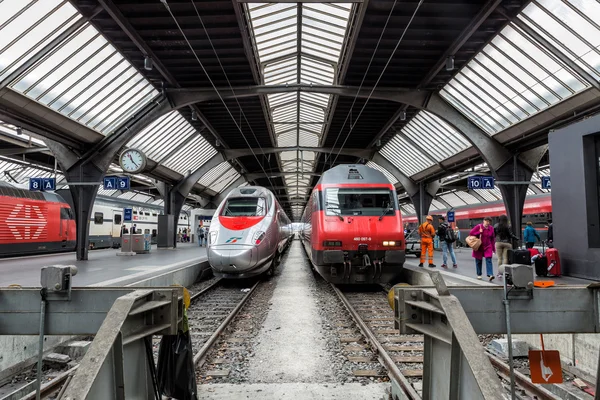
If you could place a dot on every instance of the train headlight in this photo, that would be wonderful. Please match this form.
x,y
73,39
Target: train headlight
x,y
258,237
212,236
391,243
332,243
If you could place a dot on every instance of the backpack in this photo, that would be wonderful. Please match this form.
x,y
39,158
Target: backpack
x,y
450,235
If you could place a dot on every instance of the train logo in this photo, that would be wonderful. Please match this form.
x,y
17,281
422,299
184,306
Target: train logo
x,y
233,239
26,222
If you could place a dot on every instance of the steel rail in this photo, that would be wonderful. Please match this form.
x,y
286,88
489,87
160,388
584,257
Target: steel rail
x,y
204,290
393,370
200,357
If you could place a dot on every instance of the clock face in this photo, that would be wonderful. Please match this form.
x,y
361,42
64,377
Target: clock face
x,y
132,161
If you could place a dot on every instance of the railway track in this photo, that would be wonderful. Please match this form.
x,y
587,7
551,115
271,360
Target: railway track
x,y
402,355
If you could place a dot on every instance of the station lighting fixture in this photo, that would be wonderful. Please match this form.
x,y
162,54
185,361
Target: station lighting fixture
x,y
217,143
403,116
378,144
148,63
19,130
194,115
450,63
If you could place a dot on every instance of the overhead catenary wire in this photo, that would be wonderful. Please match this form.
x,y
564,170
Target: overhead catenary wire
x,y
378,79
166,4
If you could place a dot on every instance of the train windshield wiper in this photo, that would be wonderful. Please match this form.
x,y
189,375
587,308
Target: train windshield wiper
x,y
389,208
336,212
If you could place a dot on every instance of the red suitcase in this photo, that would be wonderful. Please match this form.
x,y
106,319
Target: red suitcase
x,y
553,262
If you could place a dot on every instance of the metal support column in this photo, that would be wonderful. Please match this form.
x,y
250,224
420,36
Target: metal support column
x,y
422,199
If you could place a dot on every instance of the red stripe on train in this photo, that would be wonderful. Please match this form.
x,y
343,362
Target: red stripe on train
x,y
239,223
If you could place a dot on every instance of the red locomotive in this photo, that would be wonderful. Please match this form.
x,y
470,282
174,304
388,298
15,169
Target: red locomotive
x,y
34,222
352,227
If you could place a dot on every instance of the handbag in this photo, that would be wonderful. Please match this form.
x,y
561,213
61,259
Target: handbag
x,y
473,242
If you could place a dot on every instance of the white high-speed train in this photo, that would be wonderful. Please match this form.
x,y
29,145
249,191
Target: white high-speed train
x,y
248,234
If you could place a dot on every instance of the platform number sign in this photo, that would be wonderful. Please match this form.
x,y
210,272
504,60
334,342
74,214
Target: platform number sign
x,y
546,182
480,182
42,184
127,214
117,183
450,216
123,183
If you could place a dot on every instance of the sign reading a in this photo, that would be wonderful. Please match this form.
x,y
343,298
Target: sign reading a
x,y
546,182
127,214
487,182
42,184
450,216
116,183
545,366
110,182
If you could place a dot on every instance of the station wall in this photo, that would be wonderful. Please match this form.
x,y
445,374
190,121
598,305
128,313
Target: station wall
x,y
575,165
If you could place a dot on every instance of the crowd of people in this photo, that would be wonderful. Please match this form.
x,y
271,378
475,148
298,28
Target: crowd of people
x,y
497,239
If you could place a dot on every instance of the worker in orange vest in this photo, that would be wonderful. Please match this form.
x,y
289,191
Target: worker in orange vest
x,y
427,232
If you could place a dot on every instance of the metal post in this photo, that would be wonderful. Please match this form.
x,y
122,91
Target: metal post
x,y
41,345
517,226
421,202
509,338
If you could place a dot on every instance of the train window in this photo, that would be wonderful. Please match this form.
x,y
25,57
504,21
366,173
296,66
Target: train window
x,y
98,218
118,219
134,212
154,214
355,201
147,214
146,231
245,207
65,213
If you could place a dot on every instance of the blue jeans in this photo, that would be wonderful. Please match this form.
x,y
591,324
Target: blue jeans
x,y
200,240
488,266
447,248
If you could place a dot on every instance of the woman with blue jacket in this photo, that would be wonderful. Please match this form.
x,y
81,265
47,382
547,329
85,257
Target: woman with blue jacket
x,y
529,235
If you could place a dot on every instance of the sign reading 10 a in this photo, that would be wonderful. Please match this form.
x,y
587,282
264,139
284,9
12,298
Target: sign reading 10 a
x,y
480,182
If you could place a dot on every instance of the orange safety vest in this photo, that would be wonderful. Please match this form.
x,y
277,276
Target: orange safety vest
x,y
426,231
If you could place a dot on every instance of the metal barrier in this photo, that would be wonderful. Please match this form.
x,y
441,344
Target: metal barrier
x,y
116,365
455,363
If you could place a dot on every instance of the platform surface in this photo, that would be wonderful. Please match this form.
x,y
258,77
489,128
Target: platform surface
x,y
104,267
466,268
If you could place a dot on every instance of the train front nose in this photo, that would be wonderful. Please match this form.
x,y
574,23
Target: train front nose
x,y
232,258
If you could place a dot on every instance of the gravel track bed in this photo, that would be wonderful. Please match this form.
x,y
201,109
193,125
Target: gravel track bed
x,y
235,348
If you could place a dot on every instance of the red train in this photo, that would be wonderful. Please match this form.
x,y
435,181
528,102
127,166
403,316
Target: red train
x,y
537,209
352,227
34,222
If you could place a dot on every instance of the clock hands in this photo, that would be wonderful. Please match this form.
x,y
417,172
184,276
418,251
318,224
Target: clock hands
x,y
131,159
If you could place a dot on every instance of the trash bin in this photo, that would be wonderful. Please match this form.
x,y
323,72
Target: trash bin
x,y
141,243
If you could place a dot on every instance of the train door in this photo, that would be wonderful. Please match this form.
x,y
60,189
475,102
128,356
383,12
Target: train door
x,y
63,233
117,221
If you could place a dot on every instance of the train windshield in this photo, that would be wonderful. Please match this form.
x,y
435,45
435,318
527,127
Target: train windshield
x,y
245,207
355,201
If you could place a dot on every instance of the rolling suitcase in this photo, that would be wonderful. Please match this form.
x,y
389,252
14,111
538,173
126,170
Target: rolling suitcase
x,y
553,264
541,266
519,256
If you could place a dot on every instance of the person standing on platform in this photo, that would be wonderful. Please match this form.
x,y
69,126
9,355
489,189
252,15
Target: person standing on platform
x,y
485,232
206,235
457,235
529,235
550,235
446,242
200,234
504,238
427,232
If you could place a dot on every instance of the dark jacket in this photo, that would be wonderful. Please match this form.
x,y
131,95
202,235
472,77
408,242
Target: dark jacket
x,y
504,234
550,233
441,231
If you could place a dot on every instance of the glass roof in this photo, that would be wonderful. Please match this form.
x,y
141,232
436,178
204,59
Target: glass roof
x,y
19,173
298,43
84,78
191,157
405,156
515,76
387,173
220,177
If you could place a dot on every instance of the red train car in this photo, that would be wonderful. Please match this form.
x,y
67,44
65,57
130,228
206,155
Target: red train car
x,y
537,209
352,227
34,222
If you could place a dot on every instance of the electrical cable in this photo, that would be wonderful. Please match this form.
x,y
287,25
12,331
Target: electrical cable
x,y
165,3
379,79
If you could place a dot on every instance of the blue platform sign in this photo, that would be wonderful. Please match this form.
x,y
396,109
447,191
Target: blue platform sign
x,y
480,182
487,182
35,184
474,182
450,216
110,183
127,214
48,184
546,182
123,183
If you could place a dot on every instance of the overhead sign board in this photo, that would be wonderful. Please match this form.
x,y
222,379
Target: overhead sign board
x,y
450,216
117,183
127,214
480,182
546,182
42,184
